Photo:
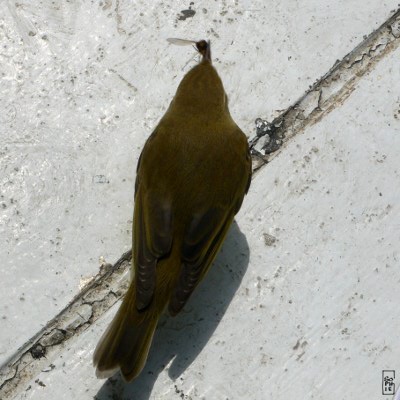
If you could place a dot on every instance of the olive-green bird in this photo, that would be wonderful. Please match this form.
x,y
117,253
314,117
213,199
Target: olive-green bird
x,y
192,176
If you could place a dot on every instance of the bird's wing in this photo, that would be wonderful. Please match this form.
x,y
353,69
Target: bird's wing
x,y
146,145
202,241
205,236
249,168
152,240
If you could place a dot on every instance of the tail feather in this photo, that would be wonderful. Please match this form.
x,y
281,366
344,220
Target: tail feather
x,y
126,343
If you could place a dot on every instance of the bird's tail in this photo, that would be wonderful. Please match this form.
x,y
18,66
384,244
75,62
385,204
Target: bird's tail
x,y
126,343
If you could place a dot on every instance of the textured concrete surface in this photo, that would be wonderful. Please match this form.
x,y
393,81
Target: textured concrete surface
x,y
312,301
310,278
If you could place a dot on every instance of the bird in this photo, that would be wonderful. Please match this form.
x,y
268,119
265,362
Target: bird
x,y
191,179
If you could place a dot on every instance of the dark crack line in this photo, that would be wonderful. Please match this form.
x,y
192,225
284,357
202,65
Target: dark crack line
x,y
23,365
347,71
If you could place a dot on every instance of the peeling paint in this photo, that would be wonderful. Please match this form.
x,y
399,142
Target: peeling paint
x,y
326,94
90,304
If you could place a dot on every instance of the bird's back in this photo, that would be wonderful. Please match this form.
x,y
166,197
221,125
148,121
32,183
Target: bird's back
x,y
196,164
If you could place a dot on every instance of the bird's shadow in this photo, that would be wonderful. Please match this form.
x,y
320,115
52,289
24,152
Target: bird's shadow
x,y
182,338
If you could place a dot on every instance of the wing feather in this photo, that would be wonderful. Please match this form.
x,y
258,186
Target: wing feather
x,y
202,242
152,240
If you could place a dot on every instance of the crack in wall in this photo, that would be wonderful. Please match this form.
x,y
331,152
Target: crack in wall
x,y
328,93
110,284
